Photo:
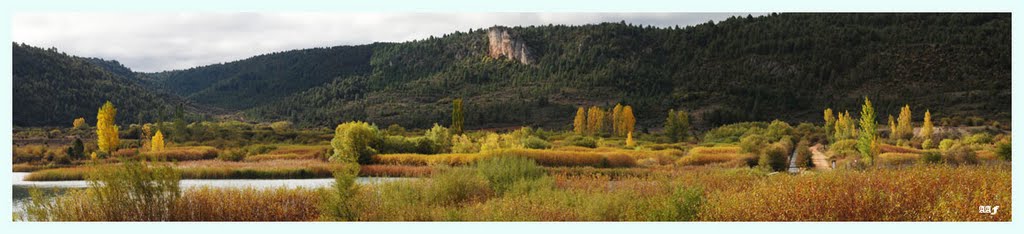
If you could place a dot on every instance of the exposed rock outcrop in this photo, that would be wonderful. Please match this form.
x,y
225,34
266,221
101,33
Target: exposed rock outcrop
x,y
503,44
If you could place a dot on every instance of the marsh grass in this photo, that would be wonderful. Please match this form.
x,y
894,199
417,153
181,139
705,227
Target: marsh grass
x,y
701,155
183,153
919,193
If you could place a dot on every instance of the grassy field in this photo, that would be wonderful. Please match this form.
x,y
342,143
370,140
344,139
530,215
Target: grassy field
x,y
536,175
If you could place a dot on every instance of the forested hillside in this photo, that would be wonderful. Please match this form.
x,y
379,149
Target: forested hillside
x,y
52,89
788,66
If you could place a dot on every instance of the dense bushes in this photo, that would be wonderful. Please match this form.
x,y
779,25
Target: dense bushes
x,y
731,133
503,171
959,154
581,141
775,157
457,186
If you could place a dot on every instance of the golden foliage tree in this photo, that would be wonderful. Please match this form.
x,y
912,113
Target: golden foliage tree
x,y
845,127
79,123
157,142
628,120
595,120
106,131
892,128
617,120
927,128
903,128
629,140
579,124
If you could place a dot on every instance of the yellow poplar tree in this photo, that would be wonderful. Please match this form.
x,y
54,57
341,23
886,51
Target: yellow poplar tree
x,y
892,129
106,130
905,131
628,120
617,120
629,140
595,120
579,124
926,127
158,142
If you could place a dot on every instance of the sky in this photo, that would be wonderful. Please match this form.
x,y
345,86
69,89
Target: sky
x,y
151,42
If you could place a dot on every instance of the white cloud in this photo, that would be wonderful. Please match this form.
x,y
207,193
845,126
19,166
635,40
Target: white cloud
x,y
164,41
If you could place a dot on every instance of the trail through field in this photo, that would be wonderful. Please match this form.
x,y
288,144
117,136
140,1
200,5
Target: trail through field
x,y
819,158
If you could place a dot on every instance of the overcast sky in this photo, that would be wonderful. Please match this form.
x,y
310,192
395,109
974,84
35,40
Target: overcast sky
x,y
151,42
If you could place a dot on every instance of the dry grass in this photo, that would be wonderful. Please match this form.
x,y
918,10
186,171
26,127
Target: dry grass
x,y
699,156
395,171
186,153
293,152
920,193
887,148
246,204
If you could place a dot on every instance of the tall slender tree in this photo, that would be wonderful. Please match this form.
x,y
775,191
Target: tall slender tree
x,y
867,141
927,128
903,126
595,120
106,130
628,120
617,123
579,123
830,122
457,117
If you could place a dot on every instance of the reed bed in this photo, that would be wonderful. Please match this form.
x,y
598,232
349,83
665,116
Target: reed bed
x,y
185,153
699,156
919,193
380,170
887,148
247,204
293,152
549,158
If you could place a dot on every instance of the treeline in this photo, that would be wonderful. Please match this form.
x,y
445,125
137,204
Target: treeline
x,y
781,66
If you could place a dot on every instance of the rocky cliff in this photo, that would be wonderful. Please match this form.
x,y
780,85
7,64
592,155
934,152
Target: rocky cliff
x,y
503,44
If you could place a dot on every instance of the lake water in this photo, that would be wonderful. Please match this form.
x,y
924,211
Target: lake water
x,y
52,188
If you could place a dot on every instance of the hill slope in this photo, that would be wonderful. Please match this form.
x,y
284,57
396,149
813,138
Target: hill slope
x,y
52,89
788,66
785,66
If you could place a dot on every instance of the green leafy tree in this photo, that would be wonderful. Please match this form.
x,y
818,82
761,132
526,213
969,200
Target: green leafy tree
x,y
830,123
352,142
677,125
867,140
457,119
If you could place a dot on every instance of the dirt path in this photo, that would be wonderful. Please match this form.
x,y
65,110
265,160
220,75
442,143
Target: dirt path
x,y
819,158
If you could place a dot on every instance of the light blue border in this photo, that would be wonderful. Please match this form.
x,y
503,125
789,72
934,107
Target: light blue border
x,y
9,8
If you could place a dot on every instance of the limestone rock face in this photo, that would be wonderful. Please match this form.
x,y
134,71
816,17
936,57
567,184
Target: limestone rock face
x,y
503,44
